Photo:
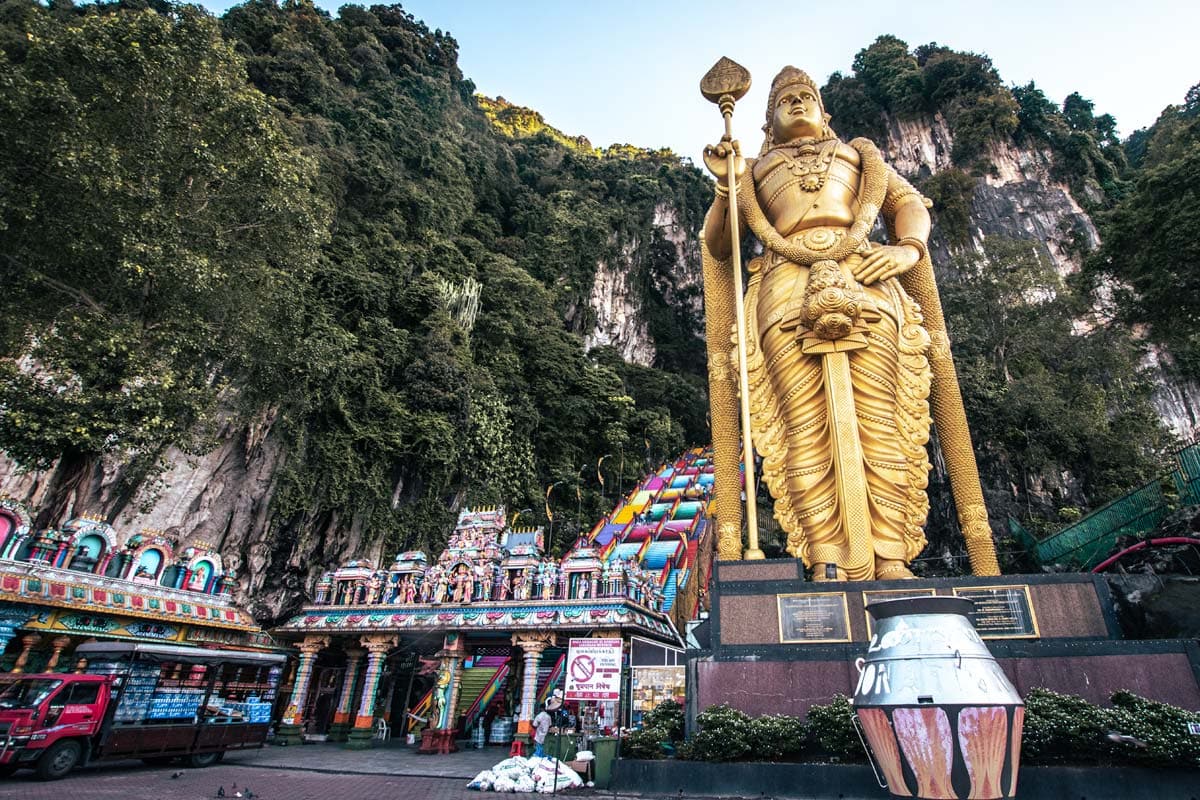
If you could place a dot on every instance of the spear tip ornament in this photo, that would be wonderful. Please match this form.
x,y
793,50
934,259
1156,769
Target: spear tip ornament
x,y
726,78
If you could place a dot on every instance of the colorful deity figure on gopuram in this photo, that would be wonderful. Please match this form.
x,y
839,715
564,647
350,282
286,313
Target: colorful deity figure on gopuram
x,y
485,561
842,341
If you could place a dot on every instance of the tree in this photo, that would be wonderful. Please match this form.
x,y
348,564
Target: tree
x,y
1043,396
1150,252
157,227
890,74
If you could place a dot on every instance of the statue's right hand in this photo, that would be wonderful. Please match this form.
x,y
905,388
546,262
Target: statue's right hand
x,y
716,158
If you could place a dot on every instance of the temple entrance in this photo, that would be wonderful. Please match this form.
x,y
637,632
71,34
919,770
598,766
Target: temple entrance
x,y
322,699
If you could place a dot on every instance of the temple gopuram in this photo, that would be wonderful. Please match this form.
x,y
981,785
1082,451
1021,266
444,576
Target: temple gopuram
x,y
475,638
84,581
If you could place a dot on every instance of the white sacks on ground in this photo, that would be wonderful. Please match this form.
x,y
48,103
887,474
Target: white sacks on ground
x,y
504,784
550,776
483,781
527,775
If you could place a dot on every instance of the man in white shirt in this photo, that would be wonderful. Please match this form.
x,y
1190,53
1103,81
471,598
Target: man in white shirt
x,y
543,721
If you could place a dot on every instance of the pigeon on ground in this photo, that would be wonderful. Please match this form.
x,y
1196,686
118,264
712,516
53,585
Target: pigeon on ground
x,y
175,775
220,791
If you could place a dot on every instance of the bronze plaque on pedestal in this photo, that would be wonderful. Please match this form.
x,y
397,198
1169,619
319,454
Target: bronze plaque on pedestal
x,y
1001,612
813,617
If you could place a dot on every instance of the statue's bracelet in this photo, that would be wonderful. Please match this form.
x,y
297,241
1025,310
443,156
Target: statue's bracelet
x,y
912,241
722,191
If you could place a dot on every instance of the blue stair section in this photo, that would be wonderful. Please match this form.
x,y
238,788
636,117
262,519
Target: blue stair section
x,y
669,589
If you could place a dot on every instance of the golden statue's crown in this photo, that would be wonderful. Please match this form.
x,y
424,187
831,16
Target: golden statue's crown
x,y
789,76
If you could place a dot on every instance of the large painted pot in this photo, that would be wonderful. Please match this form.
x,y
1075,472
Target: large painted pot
x,y
941,718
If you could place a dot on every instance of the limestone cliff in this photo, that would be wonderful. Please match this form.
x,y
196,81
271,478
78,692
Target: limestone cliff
x,y
618,295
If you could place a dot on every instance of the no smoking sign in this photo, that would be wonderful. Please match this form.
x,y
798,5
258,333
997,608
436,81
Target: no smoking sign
x,y
594,669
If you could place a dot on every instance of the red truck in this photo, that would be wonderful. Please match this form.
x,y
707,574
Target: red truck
x,y
137,701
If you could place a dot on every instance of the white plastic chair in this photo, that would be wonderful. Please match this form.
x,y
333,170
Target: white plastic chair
x,y
383,731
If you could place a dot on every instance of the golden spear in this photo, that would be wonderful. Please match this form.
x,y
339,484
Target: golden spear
x,y
725,84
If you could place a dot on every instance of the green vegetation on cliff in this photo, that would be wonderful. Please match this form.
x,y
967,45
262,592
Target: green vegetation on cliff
x,y
330,287
1148,262
316,220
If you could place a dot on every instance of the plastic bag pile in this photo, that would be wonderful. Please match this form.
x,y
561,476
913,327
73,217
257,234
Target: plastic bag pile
x,y
526,775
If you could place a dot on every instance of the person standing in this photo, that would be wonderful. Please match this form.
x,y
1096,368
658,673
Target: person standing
x,y
543,721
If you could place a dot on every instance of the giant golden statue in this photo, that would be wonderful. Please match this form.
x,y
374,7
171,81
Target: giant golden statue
x,y
842,339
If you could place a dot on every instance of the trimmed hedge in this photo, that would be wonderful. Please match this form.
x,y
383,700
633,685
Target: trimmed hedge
x,y
1059,729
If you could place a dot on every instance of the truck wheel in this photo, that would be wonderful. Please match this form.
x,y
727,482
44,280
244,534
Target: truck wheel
x,y
59,759
202,760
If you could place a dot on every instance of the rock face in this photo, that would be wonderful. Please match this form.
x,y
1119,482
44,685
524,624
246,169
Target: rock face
x,y
616,305
1157,607
222,497
617,298
1020,199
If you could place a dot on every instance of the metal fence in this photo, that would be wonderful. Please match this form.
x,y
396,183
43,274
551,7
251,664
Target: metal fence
x,y
1087,542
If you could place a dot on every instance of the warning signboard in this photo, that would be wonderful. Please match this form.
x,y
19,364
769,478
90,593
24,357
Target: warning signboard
x,y
594,669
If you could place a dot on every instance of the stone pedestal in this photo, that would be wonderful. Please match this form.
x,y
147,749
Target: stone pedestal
x,y
338,732
438,742
777,644
360,739
289,735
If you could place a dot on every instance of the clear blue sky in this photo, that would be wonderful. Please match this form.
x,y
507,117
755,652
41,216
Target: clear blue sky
x,y
622,71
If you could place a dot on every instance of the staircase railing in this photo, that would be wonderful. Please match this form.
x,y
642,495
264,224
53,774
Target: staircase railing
x,y
1089,540
556,673
421,709
485,697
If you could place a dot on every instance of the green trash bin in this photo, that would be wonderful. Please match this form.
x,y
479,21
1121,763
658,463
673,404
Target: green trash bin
x,y
605,750
561,746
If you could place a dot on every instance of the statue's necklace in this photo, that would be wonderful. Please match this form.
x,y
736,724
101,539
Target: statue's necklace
x,y
810,163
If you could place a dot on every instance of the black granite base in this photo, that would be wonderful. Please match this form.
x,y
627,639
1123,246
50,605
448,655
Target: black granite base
x,y
857,782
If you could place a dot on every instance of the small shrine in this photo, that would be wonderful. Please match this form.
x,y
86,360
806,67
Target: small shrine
x,y
87,580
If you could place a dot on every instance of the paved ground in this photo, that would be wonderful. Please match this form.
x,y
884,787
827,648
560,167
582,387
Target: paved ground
x,y
390,759
156,783
311,772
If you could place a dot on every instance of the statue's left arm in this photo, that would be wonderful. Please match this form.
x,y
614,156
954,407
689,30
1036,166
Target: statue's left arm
x,y
907,217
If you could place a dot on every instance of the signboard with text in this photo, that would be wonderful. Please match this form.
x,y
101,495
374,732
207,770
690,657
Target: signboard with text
x,y
594,669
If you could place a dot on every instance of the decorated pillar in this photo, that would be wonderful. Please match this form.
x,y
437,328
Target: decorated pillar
x,y
341,718
377,647
57,645
532,645
27,643
60,552
11,618
439,736
290,729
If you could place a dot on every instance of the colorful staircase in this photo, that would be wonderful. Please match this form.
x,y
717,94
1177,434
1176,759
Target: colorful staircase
x,y
475,711
551,670
661,522
421,709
